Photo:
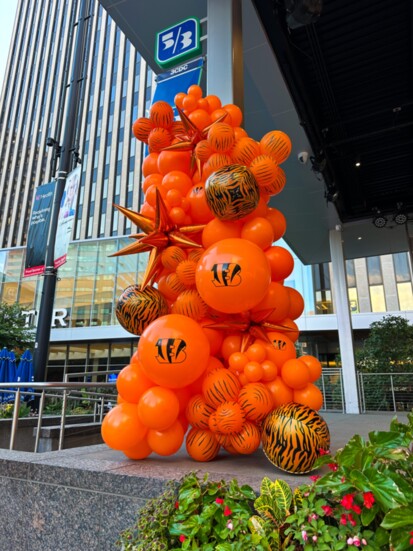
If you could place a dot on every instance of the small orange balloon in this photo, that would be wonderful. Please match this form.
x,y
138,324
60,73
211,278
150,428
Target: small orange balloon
x,y
132,383
234,112
158,139
258,230
158,408
264,170
173,160
277,185
216,230
141,451
220,114
189,103
141,128
161,114
281,348
199,209
121,428
202,445
154,179
270,371
239,133
150,164
177,216
277,145
310,396
213,102
178,180
237,361
221,137
231,344
200,118
203,150
151,193
280,392
179,98
278,222
253,371
186,272
281,262
256,352
147,210
166,442
195,90
170,286
314,367
295,374
230,417
296,303
190,304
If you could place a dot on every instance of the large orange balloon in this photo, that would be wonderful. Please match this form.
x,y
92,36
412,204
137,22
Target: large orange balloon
x,y
258,230
158,408
310,396
216,230
121,428
166,442
281,262
173,160
295,374
132,383
296,303
278,222
274,306
233,275
281,348
314,367
280,392
215,336
174,351
141,451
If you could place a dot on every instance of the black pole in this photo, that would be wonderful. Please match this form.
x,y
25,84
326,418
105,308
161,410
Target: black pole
x,y
68,154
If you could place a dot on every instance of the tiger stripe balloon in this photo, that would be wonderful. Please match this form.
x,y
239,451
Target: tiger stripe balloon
x,y
136,309
198,412
277,145
277,185
221,137
189,303
292,436
202,445
161,114
229,417
232,192
247,440
256,400
245,150
172,256
158,139
264,170
220,385
141,129
186,272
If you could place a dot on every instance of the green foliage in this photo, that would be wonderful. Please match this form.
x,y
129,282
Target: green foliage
x,y
6,410
13,333
388,348
364,501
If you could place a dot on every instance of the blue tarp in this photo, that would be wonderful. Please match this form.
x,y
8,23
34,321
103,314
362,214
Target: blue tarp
x,y
25,371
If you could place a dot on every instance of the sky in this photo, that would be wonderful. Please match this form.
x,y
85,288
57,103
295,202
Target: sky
x,y
8,11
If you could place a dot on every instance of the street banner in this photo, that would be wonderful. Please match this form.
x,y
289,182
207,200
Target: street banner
x,y
39,230
66,218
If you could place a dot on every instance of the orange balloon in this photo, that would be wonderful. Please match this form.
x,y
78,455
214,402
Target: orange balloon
x,y
239,133
177,216
221,137
296,303
141,451
276,185
198,412
281,348
274,306
277,145
190,304
166,442
150,164
253,371
310,396
256,352
314,367
158,408
231,344
218,114
178,180
203,150
245,150
213,102
148,211
202,445
195,254
122,428
289,328
200,118
141,128
220,385
230,417
270,371
235,113
278,222
172,256
280,392
247,440
174,160
295,374
216,230
195,90
179,98
151,194
174,351
258,230
281,262
237,361
214,336
161,114
132,383
256,400
154,179
232,275
213,363
189,103
170,286
199,209
158,139
264,170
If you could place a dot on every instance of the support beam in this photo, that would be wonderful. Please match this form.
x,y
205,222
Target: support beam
x,y
345,330
225,76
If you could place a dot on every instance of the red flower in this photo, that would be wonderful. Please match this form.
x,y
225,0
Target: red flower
x,y
219,500
323,452
411,539
351,520
368,499
315,477
182,538
176,504
343,519
347,501
327,510
227,511
356,509
332,466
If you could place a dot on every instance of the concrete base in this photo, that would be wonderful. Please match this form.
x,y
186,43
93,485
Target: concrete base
x,y
82,498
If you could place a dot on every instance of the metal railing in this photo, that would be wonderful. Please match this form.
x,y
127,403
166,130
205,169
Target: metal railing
x,y
79,391
386,391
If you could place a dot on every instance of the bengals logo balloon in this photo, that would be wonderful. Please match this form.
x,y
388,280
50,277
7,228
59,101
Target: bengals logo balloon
x,y
232,192
173,351
136,309
292,436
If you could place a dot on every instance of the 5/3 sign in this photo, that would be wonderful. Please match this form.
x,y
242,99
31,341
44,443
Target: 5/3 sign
x,y
177,43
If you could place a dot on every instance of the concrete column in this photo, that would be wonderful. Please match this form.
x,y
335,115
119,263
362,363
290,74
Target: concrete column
x,y
345,330
225,76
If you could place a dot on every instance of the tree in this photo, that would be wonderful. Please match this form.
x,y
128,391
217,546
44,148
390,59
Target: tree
x,y
388,348
13,330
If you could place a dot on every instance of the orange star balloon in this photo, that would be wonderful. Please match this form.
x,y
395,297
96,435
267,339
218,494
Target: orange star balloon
x,y
156,236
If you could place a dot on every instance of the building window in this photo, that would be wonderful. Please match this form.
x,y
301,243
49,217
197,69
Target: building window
x,y
403,281
377,297
322,289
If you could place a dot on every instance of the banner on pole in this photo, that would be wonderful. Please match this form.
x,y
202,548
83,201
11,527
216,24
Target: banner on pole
x,y
66,218
39,230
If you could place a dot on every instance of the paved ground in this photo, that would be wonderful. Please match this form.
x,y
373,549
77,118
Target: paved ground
x,y
247,469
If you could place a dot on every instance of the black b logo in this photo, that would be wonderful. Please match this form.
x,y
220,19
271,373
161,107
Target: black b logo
x,y
226,274
171,351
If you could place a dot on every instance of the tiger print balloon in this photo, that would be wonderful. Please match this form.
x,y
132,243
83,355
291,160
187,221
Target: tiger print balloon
x,y
232,192
292,436
202,445
136,309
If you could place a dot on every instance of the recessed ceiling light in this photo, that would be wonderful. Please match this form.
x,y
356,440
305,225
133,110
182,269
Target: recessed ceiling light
x,y
359,238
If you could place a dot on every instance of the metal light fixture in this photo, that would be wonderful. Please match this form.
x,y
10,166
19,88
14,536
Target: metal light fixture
x,y
400,217
380,221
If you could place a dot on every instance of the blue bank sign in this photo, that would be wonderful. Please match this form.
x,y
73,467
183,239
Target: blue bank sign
x,y
178,43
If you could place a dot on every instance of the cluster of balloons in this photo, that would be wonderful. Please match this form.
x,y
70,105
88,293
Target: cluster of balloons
x,y
216,353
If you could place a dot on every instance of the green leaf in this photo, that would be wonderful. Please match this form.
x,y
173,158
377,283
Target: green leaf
x,y
385,490
368,515
385,439
381,537
396,518
400,539
275,500
348,456
257,525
